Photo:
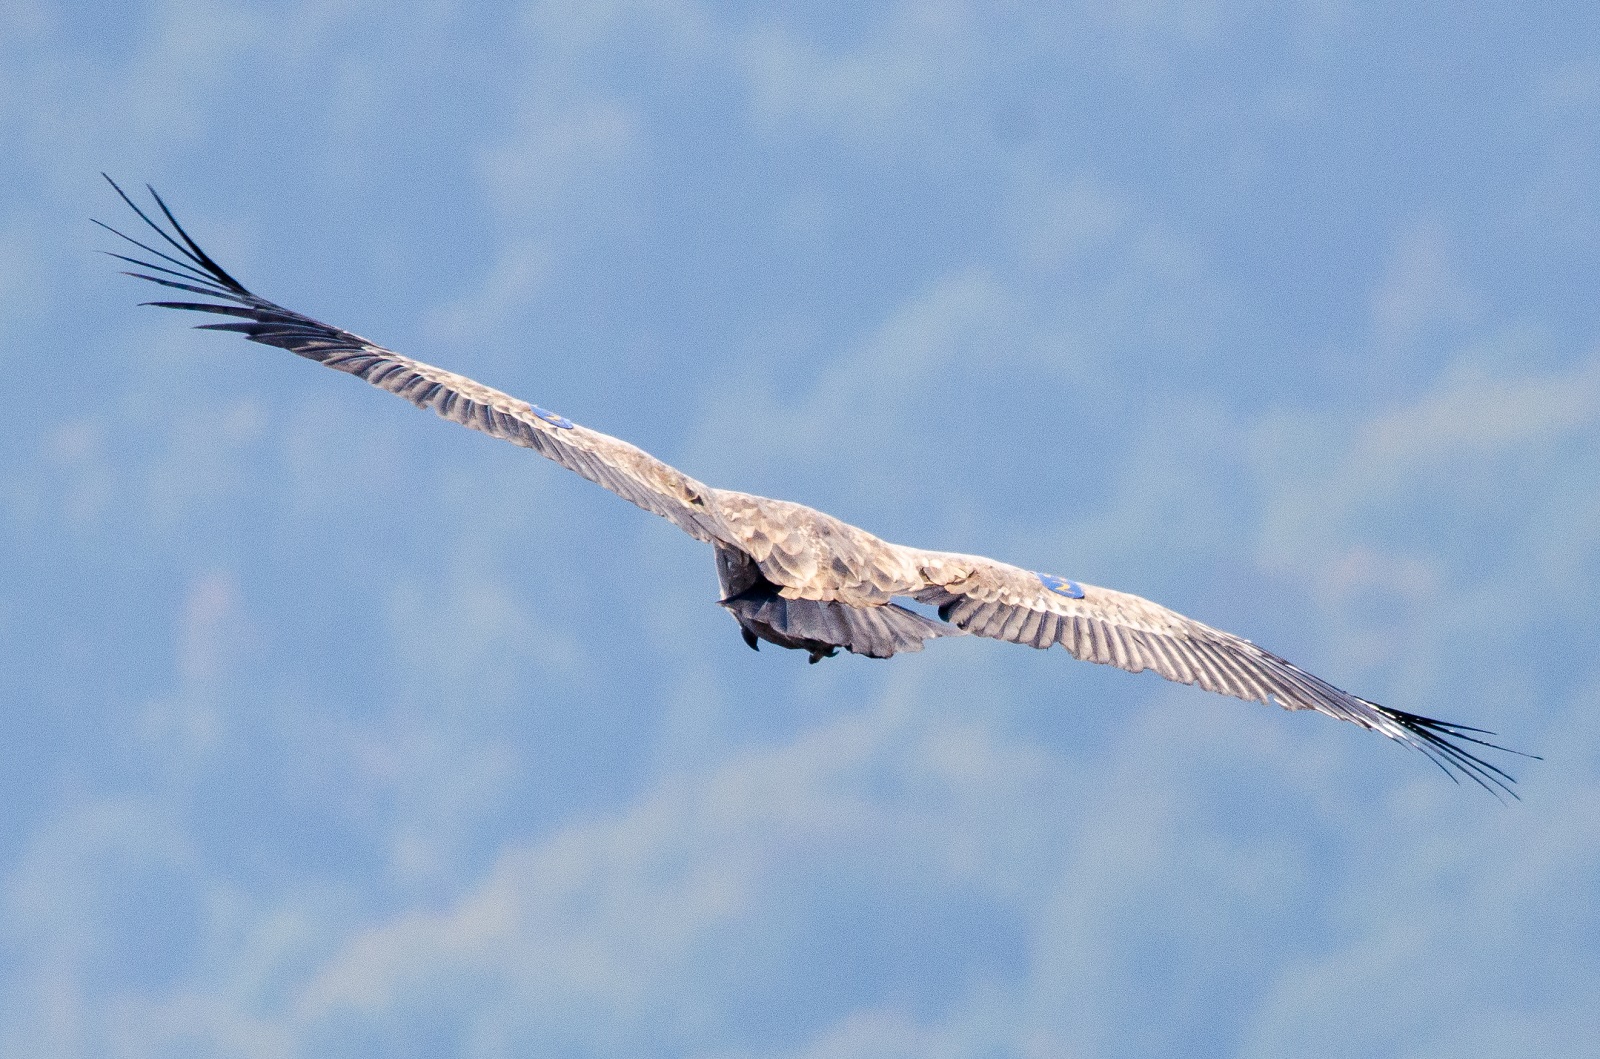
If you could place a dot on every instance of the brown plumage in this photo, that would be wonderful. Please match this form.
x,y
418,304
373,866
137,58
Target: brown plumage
x,y
799,578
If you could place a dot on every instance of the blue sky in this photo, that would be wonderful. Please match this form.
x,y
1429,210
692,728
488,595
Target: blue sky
x,y
327,727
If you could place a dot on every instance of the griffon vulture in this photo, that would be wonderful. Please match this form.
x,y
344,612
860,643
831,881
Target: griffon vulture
x,y
797,577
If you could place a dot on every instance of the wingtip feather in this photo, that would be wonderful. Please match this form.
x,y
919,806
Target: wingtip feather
x,y
1441,742
194,262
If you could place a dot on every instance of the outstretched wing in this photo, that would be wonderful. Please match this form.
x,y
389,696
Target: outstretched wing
x,y
625,469
1115,628
806,554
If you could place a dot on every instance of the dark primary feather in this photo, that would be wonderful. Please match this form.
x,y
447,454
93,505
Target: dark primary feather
x,y
798,577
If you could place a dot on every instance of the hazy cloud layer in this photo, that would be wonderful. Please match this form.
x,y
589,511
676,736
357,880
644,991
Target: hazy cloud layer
x,y
331,728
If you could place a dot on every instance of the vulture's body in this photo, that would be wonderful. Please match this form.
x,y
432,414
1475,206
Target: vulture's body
x,y
799,578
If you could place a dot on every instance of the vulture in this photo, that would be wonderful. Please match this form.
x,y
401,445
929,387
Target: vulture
x,y
799,578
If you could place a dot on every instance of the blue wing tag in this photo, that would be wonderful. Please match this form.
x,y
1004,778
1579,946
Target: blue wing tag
x,y
1061,586
552,418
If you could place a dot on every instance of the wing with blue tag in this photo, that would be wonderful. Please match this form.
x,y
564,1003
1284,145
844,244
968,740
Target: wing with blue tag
x,y
1061,586
1004,602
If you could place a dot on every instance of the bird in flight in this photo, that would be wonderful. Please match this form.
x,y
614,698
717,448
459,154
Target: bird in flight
x,y
797,577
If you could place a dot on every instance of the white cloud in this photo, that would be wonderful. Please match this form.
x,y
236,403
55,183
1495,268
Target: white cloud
x,y
185,729
1451,438
909,394
1472,412
1422,288
925,79
1449,940
59,913
564,164
519,272
878,1034
607,916
910,66
560,147
1056,223
149,92
1575,83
